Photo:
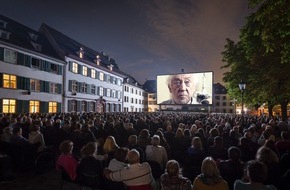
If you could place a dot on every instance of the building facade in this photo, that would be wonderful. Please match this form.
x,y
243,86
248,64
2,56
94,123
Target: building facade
x,y
222,103
30,71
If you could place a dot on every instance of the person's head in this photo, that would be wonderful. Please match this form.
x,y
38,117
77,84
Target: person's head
x,y
133,156
110,144
17,131
181,87
121,154
155,141
266,155
256,171
172,168
132,140
66,147
234,153
89,149
209,168
196,143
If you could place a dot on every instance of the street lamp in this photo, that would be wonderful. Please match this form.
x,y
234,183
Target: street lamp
x,y
242,87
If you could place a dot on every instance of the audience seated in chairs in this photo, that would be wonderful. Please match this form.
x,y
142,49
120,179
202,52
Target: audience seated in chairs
x,y
173,179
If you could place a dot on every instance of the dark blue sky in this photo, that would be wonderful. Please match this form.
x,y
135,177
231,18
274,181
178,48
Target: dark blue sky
x,y
145,37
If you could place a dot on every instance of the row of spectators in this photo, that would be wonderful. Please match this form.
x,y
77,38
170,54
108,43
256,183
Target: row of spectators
x,y
187,140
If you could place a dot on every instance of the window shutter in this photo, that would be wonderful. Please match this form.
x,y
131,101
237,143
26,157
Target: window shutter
x,y
59,88
20,83
70,85
80,87
20,59
88,89
98,90
59,107
105,77
1,81
105,91
97,74
47,66
42,65
1,105
89,72
27,60
79,106
42,86
70,66
59,70
43,107
1,56
22,106
80,69
69,103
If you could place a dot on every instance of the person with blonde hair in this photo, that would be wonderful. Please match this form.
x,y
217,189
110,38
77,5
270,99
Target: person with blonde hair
x,y
210,178
173,179
109,148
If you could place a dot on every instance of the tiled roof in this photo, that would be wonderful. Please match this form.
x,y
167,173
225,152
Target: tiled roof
x,y
219,89
150,86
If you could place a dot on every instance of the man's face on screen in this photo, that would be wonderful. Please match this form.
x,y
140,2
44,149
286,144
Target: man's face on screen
x,y
182,88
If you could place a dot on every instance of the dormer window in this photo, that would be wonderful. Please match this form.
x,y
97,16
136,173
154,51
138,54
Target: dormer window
x,y
97,60
3,24
4,34
81,52
127,80
33,36
111,67
36,46
136,83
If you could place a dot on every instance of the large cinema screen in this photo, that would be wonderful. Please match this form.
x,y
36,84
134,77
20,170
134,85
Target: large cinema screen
x,y
185,88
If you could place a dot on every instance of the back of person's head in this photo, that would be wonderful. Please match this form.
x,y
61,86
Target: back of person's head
x,y
196,143
214,132
285,135
266,155
234,153
34,128
144,133
121,153
209,168
66,146
155,140
133,156
132,140
16,130
256,171
110,144
218,141
89,149
172,168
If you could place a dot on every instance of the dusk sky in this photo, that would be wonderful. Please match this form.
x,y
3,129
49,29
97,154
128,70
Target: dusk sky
x,y
145,37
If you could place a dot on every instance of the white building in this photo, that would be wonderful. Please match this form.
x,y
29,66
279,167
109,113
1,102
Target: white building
x,y
30,71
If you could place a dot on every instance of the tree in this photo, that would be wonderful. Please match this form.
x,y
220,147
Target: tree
x,y
261,57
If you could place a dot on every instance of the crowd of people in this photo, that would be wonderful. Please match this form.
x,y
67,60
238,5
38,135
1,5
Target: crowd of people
x,y
161,150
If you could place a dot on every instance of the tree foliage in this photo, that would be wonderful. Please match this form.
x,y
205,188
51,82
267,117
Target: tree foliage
x,y
261,57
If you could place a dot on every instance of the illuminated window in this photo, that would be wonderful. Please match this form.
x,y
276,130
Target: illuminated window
x,y
101,91
8,106
34,85
9,81
10,56
52,107
101,76
84,106
33,106
53,88
108,92
113,94
85,71
74,67
82,52
93,73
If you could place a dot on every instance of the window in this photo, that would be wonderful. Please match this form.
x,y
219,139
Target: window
x,y
108,92
132,90
92,107
101,91
33,36
85,71
74,67
224,97
74,86
53,88
85,88
9,81
4,34
35,63
3,24
101,76
34,85
93,73
118,94
132,100
217,97
52,107
93,89
224,103
136,91
73,105
113,94
33,106
8,106
84,106
10,56
53,68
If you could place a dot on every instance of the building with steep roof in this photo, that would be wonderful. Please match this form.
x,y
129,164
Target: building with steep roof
x,y
31,70
222,103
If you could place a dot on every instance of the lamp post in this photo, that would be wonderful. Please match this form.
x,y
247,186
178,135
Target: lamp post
x,y
242,87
